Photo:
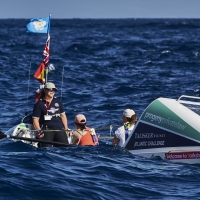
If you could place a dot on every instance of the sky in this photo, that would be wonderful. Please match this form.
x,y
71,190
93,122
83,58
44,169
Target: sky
x,y
68,9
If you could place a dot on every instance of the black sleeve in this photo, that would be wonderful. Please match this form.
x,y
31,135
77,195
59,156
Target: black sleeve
x,y
36,110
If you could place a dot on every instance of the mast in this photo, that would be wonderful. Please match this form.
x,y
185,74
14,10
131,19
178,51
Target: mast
x,y
41,25
48,46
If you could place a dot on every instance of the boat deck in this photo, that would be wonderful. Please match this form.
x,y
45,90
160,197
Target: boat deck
x,y
193,103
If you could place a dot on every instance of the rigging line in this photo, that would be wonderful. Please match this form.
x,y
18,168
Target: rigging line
x,y
107,127
105,137
62,81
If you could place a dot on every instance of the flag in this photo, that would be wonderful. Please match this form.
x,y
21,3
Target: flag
x,y
46,50
39,74
37,95
39,25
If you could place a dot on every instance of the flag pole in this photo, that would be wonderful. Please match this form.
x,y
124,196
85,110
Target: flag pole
x,y
48,38
42,71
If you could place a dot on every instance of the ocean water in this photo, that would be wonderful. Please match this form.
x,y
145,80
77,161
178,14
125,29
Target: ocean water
x,y
101,68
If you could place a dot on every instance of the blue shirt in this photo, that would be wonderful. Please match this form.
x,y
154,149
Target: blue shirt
x,y
42,107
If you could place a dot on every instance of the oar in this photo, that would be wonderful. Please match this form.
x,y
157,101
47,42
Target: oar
x,y
2,135
40,141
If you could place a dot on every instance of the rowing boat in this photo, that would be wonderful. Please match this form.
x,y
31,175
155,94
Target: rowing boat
x,y
26,131
170,129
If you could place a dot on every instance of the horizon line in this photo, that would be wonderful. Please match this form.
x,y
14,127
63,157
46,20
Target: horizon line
x,y
108,18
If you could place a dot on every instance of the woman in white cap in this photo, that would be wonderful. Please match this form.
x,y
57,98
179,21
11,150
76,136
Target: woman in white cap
x,y
84,135
49,114
121,134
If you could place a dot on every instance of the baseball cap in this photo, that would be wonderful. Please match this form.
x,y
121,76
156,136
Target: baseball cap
x,y
80,119
128,113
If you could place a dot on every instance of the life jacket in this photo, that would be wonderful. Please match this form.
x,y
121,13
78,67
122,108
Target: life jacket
x,y
89,138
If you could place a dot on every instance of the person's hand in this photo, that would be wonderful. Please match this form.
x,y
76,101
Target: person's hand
x,y
68,131
40,134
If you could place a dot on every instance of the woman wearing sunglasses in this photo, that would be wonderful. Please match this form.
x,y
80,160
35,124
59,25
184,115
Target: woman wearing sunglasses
x,y
49,114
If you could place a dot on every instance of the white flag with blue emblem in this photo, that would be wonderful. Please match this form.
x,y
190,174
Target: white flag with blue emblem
x,y
39,25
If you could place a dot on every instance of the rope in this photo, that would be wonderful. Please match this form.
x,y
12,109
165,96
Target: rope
x,y
96,129
106,127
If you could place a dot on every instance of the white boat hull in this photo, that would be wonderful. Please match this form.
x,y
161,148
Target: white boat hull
x,y
23,130
177,154
28,132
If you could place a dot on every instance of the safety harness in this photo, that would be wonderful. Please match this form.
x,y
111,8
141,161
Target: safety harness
x,y
126,127
92,133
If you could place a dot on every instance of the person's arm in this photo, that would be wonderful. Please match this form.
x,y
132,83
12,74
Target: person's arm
x,y
36,115
115,140
36,123
63,116
64,120
76,138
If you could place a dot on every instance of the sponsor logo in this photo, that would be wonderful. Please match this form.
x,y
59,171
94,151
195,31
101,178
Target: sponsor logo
x,y
156,143
140,144
53,110
182,155
56,104
143,135
149,135
163,121
149,143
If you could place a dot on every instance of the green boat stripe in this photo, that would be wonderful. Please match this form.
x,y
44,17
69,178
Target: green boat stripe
x,y
160,115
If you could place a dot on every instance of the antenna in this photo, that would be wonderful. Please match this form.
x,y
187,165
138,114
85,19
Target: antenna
x,y
28,83
62,81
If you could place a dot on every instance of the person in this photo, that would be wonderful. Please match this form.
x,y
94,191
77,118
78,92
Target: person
x,y
49,114
84,135
121,134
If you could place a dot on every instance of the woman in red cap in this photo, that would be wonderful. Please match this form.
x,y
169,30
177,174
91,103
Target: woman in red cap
x,y
84,135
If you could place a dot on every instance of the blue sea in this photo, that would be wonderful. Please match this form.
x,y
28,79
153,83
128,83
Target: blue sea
x,y
102,66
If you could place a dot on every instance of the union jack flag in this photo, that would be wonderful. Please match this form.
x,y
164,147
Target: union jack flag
x,y
46,51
